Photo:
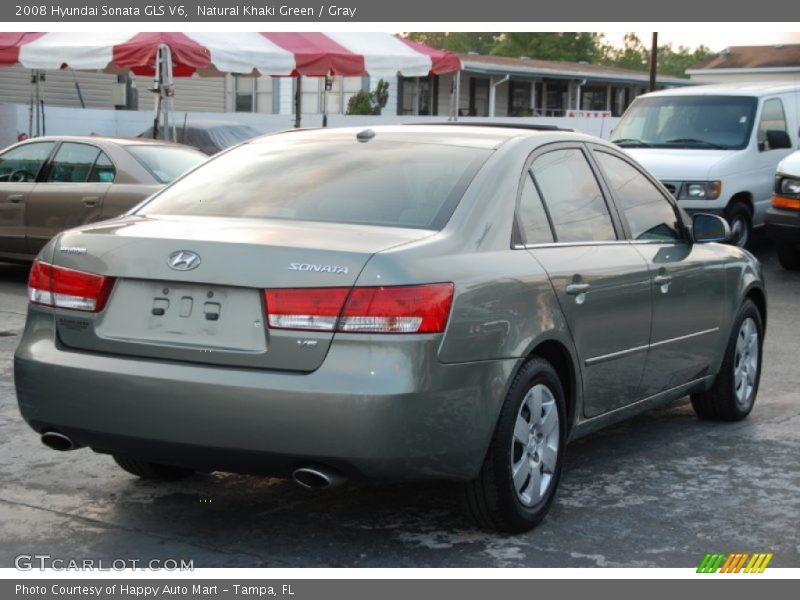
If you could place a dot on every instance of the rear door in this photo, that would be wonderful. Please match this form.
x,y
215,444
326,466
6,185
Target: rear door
x,y
601,282
19,168
687,280
71,194
772,118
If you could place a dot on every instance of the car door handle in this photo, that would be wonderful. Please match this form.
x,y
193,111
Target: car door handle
x,y
573,289
16,198
662,279
90,201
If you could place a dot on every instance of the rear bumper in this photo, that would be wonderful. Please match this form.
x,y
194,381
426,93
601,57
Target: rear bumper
x,y
783,225
386,409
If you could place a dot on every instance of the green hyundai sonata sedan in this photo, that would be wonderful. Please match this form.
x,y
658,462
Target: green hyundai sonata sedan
x,y
437,301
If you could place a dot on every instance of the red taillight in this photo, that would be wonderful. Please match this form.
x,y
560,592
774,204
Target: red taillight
x,y
313,309
390,309
67,288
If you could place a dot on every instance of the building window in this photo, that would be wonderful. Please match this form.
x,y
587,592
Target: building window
x,y
478,97
593,97
519,99
420,95
244,92
556,100
619,101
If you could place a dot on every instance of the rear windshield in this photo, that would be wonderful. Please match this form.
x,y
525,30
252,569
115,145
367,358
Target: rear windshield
x,y
388,183
166,163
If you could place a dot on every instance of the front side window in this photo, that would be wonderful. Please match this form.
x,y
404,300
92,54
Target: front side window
x,y
772,118
573,197
72,163
23,163
649,214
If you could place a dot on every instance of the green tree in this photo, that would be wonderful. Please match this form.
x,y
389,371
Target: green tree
x,y
369,103
457,41
671,61
632,55
568,46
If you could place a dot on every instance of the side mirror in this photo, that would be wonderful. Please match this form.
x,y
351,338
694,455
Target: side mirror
x,y
778,138
710,228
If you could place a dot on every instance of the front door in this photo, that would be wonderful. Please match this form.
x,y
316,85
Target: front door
x,y
602,283
687,280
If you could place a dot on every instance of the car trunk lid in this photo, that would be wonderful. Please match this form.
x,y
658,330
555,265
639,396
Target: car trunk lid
x,y
208,307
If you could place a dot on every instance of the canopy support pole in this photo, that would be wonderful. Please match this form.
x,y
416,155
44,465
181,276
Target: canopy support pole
x,y
327,82
298,101
456,95
163,86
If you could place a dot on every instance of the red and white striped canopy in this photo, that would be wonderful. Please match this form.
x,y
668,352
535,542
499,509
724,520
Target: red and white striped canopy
x,y
276,54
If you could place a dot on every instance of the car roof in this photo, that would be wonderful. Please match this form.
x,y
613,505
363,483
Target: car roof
x,y
728,89
210,123
488,136
102,139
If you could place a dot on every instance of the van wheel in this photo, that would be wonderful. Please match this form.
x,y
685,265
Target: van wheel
x,y
733,394
151,471
518,480
740,220
789,256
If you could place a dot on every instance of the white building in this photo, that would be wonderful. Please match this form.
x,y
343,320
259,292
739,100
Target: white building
x,y
489,86
751,64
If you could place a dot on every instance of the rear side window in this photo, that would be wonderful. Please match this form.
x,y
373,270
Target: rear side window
x,y
166,163
533,219
649,214
387,183
772,118
103,170
573,197
72,163
23,163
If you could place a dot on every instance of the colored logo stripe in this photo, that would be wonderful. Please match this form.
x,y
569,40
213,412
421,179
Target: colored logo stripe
x,y
710,563
758,563
734,563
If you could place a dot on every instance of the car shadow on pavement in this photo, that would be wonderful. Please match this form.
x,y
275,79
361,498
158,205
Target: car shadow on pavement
x,y
270,522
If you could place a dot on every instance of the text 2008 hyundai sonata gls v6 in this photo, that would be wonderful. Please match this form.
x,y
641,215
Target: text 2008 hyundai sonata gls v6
x,y
404,302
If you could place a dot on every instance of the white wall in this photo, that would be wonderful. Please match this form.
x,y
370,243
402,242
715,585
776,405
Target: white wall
x,y
76,121
787,77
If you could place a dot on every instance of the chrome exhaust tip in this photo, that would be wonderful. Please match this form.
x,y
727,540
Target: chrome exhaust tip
x,y
58,441
317,478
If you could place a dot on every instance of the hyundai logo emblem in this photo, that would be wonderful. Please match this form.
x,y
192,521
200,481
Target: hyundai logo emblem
x,y
183,260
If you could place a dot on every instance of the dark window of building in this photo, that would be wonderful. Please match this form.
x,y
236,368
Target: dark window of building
x,y
519,99
478,97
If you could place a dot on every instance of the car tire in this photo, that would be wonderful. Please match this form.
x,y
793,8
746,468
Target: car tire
x,y
733,394
499,500
741,222
151,471
789,256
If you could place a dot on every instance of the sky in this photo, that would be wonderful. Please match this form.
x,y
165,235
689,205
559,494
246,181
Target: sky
x,y
716,40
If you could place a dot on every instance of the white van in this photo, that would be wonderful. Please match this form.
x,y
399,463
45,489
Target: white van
x,y
715,147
